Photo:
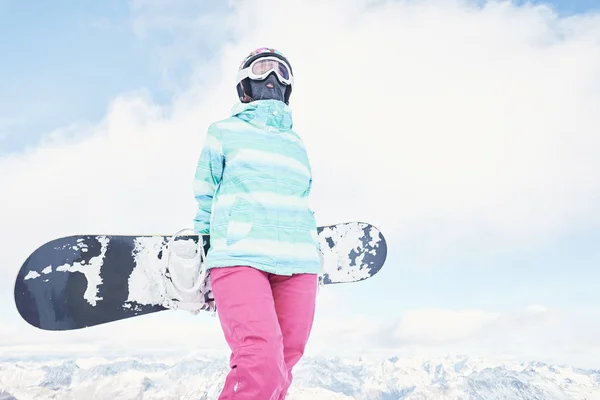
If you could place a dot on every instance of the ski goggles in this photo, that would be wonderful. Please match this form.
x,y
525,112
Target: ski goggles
x,y
260,68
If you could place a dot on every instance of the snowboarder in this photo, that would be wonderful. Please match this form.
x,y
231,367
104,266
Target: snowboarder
x,y
251,184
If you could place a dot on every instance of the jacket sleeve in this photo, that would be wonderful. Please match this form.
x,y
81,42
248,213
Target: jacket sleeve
x,y
209,171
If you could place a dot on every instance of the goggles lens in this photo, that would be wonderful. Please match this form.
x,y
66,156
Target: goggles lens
x,y
263,66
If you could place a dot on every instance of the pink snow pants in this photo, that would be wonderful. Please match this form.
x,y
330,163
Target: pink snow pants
x,y
266,320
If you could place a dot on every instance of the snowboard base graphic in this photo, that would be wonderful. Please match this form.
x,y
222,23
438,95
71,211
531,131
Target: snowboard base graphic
x,y
86,280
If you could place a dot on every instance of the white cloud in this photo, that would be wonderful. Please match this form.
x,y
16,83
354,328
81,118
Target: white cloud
x,y
472,142
531,333
172,333
440,326
473,129
420,125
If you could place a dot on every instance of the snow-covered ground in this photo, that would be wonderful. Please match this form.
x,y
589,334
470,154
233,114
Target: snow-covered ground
x,y
200,377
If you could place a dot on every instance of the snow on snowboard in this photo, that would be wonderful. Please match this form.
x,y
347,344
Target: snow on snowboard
x,y
86,280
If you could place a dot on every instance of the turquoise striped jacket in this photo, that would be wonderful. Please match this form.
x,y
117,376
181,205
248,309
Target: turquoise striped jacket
x,y
252,183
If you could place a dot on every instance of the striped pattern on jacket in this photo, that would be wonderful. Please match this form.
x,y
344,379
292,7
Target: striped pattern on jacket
x,y
252,183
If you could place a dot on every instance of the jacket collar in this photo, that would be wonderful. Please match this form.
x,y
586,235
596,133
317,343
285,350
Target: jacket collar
x,y
265,113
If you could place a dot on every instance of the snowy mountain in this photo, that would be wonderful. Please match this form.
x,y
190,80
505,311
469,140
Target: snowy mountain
x,y
197,377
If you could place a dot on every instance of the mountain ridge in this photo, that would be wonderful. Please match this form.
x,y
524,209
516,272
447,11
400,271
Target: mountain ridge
x,y
454,377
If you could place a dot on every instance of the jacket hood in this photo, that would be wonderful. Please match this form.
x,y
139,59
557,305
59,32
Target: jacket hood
x,y
265,113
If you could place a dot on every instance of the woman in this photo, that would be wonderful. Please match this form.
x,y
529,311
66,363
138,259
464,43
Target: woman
x,y
252,184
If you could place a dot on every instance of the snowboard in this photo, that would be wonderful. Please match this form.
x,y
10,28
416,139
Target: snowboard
x,y
82,281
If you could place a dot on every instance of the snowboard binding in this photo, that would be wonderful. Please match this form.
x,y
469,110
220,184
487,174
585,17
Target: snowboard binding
x,y
187,280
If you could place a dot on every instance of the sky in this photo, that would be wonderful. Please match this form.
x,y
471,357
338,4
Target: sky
x,y
465,130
